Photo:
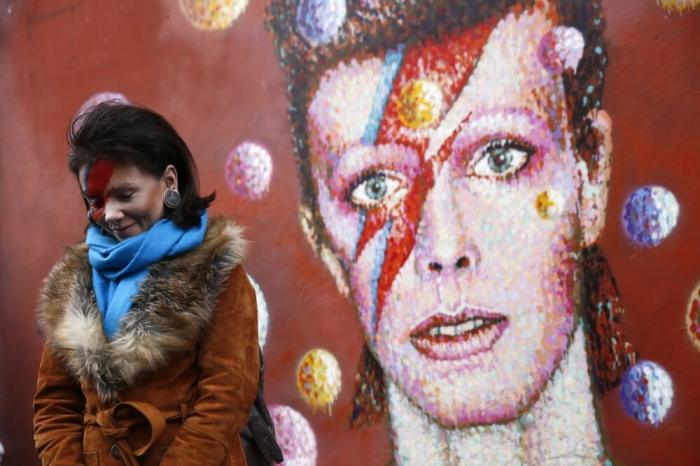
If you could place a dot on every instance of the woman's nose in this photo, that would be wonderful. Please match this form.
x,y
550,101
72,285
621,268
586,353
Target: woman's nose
x,y
113,212
443,243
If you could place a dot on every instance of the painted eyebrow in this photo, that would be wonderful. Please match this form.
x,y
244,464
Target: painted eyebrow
x,y
517,120
359,158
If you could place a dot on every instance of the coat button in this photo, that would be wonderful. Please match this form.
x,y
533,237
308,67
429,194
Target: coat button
x,y
114,450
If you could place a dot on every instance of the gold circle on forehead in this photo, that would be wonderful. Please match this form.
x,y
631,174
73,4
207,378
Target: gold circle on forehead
x,y
318,378
212,14
419,103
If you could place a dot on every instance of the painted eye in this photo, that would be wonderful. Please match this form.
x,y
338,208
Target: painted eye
x,y
501,159
378,189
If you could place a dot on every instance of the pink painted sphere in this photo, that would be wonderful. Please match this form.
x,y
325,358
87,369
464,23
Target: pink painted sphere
x,y
295,436
249,170
102,97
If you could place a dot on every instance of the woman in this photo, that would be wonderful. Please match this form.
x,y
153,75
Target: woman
x,y
151,353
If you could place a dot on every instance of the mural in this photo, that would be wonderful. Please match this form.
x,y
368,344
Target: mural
x,y
455,162
437,193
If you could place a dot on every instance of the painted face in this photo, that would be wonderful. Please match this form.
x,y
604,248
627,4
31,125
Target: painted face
x,y
122,198
450,193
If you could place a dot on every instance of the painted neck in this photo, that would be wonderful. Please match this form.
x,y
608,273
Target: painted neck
x,y
560,428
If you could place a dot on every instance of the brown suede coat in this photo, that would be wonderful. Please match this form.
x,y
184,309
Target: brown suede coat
x,y
174,386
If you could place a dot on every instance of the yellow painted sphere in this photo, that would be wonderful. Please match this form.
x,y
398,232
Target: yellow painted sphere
x,y
318,379
678,6
549,204
419,103
212,14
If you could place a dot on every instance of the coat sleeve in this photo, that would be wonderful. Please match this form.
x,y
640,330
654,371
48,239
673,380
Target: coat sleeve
x,y
58,410
228,382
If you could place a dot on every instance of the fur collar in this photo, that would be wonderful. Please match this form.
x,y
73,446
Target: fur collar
x,y
172,307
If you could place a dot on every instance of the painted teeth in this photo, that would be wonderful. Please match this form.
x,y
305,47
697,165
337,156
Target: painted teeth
x,y
453,330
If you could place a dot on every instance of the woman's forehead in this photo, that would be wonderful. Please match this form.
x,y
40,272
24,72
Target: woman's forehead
x,y
104,174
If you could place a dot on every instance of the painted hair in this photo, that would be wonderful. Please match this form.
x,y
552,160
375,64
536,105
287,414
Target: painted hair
x,y
126,133
372,27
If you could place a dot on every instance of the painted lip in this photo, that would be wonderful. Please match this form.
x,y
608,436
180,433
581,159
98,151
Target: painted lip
x,y
460,336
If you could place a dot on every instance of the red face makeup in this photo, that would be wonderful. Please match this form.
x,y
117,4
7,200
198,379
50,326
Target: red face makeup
x,y
96,179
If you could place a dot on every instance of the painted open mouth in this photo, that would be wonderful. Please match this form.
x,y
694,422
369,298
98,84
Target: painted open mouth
x,y
454,337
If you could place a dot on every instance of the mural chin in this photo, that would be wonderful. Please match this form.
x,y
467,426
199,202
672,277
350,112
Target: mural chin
x,y
474,367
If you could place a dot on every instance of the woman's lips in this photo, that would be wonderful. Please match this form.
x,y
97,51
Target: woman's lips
x,y
122,230
454,337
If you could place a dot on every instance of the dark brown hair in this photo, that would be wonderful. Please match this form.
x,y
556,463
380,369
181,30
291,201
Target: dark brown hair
x,y
125,133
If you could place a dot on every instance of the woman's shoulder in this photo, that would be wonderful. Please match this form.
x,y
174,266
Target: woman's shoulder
x,y
223,242
70,272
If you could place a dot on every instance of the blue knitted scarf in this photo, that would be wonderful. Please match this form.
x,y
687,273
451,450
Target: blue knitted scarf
x,y
118,267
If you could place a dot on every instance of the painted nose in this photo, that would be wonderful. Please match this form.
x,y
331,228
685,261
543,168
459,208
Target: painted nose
x,y
443,244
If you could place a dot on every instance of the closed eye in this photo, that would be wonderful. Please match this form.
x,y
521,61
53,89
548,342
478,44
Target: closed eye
x,y
501,158
378,189
124,197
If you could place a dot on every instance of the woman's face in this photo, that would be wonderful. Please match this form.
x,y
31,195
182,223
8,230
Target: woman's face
x,y
455,213
123,198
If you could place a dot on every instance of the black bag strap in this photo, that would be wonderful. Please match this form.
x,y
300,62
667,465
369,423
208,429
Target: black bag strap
x,y
260,430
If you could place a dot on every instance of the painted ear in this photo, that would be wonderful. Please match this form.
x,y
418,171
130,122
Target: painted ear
x,y
595,178
325,253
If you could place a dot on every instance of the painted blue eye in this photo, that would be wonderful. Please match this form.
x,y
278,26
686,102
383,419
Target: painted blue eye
x,y
501,158
382,188
376,187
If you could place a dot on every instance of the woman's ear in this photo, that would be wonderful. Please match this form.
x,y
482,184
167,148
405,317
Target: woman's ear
x,y
325,253
170,177
595,177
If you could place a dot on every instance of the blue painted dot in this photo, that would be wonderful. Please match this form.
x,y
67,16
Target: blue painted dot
x,y
647,392
650,215
318,21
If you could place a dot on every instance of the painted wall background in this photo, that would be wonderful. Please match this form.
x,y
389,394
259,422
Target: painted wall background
x,y
223,87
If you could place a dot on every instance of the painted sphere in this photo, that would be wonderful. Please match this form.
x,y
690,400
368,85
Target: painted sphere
x,y
549,204
263,314
295,436
318,378
249,170
318,21
693,316
419,103
212,14
647,392
678,6
99,98
650,215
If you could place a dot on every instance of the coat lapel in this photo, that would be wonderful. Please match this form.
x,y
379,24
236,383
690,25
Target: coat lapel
x,y
171,309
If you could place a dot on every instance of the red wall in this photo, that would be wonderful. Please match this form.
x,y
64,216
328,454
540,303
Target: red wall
x,y
219,88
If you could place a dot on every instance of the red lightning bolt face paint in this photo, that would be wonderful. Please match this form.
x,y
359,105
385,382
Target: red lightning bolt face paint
x,y
96,179
451,63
